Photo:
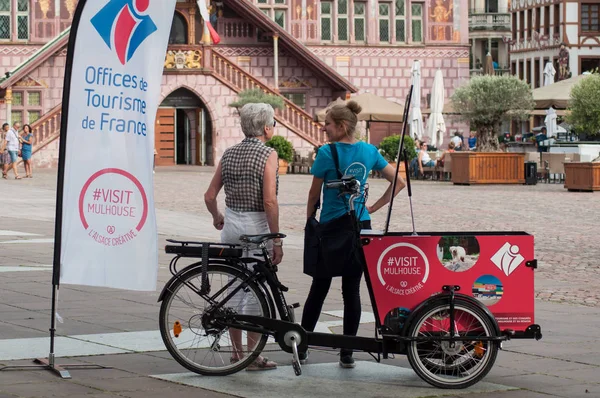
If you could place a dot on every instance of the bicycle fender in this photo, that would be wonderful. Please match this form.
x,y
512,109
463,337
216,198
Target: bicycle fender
x,y
445,297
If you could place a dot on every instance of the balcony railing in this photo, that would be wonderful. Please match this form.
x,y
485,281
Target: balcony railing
x,y
498,10
489,22
236,31
497,72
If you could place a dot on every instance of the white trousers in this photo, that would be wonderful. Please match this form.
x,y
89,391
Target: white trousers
x,y
237,224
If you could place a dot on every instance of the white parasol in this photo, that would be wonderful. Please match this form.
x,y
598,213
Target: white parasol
x,y
416,125
550,121
436,128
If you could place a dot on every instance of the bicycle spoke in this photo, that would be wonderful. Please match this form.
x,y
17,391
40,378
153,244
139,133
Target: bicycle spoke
x,y
211,351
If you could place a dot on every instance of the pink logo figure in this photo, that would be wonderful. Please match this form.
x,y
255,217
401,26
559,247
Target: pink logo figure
x,y
507,259
123,26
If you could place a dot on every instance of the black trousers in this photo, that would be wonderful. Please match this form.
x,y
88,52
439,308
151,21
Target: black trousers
x,y
350,294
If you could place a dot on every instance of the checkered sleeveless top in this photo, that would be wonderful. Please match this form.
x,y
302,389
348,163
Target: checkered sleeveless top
x,y
242,171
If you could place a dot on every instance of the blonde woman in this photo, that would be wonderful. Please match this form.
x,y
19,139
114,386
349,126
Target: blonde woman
x,y
355,158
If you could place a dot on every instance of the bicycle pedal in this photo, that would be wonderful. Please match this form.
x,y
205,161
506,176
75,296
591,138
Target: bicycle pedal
x,y
297,367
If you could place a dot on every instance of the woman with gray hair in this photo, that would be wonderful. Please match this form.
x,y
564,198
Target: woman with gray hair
x,y
248,172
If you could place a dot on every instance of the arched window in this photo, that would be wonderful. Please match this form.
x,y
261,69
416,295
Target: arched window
x,y
179,30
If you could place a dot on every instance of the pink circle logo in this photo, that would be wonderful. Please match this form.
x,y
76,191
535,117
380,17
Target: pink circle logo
x,y
403,269
113,207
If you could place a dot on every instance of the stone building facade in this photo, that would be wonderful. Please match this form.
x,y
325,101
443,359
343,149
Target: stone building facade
x,y
308,51
539,29
489,32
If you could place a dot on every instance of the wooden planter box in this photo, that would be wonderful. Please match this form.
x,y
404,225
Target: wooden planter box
x,y
283,167
402,172
488,168
582,176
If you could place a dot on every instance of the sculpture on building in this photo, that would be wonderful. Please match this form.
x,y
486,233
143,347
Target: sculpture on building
x,y
170,60
45,7
216,11
563,62
441,15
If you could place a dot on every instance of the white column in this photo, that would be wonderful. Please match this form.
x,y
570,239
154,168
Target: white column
x,y
8,99
304,21
532,73
473,54
276,60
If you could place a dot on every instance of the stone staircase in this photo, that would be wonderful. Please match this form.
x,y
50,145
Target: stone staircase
x,y
46,130
291,116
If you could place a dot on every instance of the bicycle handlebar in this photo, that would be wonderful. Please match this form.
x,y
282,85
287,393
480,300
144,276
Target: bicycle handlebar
x,y
347,185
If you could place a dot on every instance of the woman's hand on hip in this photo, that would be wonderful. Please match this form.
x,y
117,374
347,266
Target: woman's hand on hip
x,y
277,254
219,221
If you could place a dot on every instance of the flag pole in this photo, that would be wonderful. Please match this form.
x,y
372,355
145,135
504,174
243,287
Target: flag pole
x,y
50,363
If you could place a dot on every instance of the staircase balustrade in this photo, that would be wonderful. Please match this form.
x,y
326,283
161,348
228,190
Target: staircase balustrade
x,y
291,116
47,128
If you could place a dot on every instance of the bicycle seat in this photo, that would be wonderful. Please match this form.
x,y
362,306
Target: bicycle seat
x,y
257,239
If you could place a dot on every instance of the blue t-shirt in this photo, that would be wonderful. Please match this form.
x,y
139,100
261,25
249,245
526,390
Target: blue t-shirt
x,y
472,142
356,159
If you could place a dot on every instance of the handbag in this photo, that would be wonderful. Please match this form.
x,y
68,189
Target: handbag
x,y
332,248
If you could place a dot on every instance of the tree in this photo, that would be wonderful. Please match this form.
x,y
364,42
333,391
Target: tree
x,y
256,95
486,101
584,106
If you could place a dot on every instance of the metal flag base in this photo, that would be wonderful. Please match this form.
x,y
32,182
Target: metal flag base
x,y
49,364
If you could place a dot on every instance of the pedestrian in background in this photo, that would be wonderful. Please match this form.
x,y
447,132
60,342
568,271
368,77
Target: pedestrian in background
x,y
12,142
26,147
472,140
458,141
4,156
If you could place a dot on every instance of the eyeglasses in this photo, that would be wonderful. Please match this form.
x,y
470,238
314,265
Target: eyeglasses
x,y
274,123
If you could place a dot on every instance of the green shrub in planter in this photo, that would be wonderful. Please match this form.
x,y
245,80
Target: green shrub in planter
x,y
283,147
255,96
389,148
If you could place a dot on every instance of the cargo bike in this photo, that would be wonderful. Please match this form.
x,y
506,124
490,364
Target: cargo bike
x,y
446,300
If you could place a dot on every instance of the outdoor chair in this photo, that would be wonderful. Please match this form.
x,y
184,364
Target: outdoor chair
x,y
445,173
300,165
429,171
573,157
533,157
556,166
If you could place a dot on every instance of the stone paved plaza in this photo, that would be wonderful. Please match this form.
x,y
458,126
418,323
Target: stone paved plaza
x,y
564,224
565,363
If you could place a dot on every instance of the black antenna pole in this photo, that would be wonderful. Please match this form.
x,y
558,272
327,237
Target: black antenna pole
x,y
400,150
412,215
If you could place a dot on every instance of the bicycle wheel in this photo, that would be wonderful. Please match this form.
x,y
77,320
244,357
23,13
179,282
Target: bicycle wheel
x,y
215,350
442,364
